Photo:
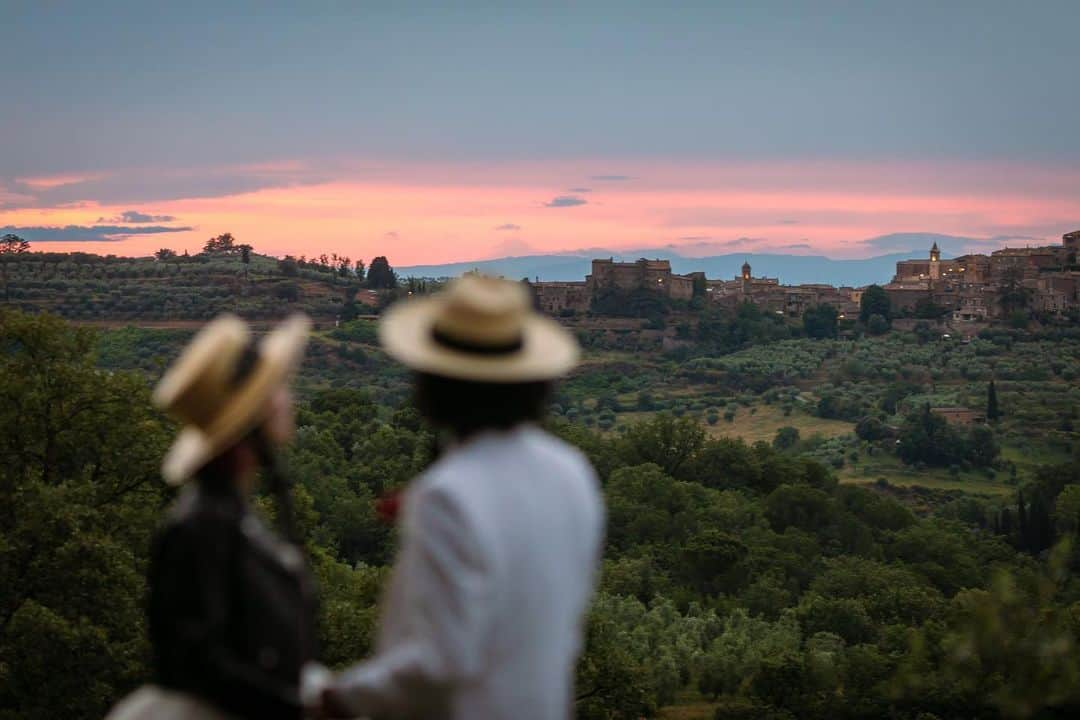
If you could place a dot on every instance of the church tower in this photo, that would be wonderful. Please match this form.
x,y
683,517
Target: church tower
x,y
935,263
746,278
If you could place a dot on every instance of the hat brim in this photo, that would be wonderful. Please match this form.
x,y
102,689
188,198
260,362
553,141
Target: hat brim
x,y
547,351
280,352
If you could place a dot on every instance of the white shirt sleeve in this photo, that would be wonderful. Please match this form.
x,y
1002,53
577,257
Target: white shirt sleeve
x,y
445,610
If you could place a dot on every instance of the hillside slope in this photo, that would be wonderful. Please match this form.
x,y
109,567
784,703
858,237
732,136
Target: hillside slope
x,y
85,287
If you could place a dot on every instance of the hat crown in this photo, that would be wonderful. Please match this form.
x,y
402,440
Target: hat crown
x,y
198,387
483,311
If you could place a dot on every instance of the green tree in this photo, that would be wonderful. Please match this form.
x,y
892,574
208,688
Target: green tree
x,y
713,561
667,441
895,393
1013,297
786,438
245,258
993,412
1012,648
798,506
923,332
618,672
1067,511
927,309
877,325
870,429
820,321
288,291
79,495
740,653
982,447
224,244
287,266
927,437
11,244
874,301
700,285
380,275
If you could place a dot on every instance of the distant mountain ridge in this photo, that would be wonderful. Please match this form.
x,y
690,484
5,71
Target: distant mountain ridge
x,y
790,269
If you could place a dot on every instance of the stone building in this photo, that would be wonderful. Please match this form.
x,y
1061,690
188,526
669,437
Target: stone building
x,y
557,298
969,285
743,288
643,274
1071,242
792,300
654,275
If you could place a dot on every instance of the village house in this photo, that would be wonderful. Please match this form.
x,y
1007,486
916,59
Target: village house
x,y
967,288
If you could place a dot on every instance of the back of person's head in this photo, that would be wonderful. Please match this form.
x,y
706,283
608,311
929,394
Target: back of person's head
x,y
484,358
467,407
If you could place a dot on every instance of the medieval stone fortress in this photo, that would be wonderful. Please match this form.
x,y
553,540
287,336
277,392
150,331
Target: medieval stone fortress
x,y
973,287
969,288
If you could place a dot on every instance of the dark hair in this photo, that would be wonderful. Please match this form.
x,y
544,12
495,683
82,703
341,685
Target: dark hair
x,y
217,474
466,407
217,477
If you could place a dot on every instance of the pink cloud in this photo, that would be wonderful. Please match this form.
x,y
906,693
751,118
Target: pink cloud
x,y
453,213
48,182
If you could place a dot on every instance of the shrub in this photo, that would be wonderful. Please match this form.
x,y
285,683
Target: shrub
x,y
877,325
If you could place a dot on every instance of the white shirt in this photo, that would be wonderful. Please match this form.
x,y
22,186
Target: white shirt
x,y
483,614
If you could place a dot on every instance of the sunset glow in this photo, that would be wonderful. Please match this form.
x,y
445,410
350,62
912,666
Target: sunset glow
x,y
467,133
426,214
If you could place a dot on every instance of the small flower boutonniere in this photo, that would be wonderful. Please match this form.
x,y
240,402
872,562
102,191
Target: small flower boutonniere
x,y
388,506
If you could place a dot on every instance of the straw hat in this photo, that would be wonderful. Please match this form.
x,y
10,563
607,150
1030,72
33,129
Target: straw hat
x,y
478,329
219,387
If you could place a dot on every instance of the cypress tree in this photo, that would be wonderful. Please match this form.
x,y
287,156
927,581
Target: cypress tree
x,y
993,412
1022,517
1040,528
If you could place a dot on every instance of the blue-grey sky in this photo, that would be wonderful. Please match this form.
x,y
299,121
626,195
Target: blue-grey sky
x,y
93,84
159,100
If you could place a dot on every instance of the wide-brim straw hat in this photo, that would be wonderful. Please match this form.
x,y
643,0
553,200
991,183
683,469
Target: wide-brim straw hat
x,y
220,387
479,329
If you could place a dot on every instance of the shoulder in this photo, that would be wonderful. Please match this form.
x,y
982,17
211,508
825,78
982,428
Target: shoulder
x,y
527,454
561,453
196,521
526,444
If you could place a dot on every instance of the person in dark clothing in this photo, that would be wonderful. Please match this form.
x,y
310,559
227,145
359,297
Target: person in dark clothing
x,y
232,604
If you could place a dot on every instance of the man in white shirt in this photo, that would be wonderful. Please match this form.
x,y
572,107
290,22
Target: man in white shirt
x,y
501,536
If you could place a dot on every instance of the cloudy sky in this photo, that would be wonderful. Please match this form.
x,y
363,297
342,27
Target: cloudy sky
x,y
432,134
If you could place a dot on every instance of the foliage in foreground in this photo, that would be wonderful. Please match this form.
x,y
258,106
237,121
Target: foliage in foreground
x,y
740,571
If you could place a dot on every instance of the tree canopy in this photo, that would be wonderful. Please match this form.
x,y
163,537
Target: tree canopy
x,y
874,301
11,244
742,571
380,274
224,244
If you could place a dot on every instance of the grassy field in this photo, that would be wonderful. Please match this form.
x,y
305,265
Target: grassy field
x,y
889,467
688,706
761,422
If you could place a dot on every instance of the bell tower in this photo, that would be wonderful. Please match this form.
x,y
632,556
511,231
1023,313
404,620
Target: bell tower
x,y
935,263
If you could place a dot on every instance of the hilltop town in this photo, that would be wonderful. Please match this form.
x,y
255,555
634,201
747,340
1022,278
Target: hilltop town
x,y
969,288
